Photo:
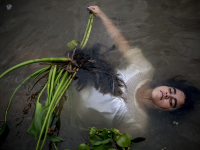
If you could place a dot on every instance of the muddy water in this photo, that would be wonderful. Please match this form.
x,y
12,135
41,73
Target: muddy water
x,y
167,31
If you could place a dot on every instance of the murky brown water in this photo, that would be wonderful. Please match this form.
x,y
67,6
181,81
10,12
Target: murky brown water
x,y
167,31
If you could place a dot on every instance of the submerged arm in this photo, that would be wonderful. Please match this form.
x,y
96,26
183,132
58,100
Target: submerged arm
x,y
114,33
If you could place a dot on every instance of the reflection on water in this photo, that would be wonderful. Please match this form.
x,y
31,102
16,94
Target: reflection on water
x,y
168,32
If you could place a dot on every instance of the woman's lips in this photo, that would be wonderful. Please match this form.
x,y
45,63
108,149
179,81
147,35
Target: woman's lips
x,y
161,95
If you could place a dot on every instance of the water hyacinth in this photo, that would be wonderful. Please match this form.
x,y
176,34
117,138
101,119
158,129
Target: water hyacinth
x,y
61,72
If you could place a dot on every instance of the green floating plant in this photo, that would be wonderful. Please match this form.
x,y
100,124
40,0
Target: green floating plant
x,y
61,72
109,139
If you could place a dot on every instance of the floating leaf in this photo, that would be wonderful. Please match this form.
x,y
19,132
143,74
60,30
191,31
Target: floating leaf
x,y
40,111
105,133
138,139
124,140
100,147
116,131
96,138
83,147
55,139
72,44
106,141
93,131
100,142
114,137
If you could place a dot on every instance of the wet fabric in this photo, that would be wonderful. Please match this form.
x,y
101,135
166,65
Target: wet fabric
x,y
90,108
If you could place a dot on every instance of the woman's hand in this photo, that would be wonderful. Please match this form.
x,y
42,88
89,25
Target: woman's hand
x,y
95,10
114,33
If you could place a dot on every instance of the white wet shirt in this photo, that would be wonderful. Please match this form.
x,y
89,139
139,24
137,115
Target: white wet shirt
x,y
91,108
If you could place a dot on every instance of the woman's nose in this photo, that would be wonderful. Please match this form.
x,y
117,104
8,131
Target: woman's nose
x,y
167,95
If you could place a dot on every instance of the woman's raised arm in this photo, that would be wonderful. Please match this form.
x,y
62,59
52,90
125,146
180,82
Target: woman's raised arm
x,y
114,33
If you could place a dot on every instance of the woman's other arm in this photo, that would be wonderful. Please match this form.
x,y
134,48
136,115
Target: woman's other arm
x,y
114,33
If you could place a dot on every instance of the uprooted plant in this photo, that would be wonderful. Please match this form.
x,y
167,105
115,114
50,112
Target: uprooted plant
x,y
109,139
61,72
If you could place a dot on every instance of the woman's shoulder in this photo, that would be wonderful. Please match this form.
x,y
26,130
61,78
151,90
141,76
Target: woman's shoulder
x,y
135,58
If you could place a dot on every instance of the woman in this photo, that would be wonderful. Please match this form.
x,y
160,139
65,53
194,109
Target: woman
x,y
127,112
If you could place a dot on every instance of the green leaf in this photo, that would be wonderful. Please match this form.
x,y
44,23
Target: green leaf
x,y
124,140
105,133
83,147
72,44
55,139
100,147
106,141
55,120
114,137
138,139
96,138
107,146
100,135
116,131
39,116
93,143
93,131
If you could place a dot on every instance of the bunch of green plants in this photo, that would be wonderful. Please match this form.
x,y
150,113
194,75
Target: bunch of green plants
x,y
61,72
109,139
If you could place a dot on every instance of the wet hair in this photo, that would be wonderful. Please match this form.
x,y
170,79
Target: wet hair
x,y
191,92
94,71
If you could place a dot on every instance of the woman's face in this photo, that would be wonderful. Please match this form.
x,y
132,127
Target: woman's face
x,y
167,97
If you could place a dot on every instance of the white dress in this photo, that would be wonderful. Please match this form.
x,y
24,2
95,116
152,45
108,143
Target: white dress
x,y
90,108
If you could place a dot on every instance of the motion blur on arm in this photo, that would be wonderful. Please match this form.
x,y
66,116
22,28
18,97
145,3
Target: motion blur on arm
x,y
114,33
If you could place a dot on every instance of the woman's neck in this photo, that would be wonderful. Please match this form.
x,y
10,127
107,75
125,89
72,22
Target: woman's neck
x,y
143,97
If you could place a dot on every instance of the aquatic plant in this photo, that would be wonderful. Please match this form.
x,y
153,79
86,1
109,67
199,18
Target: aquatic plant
x,y
61,72
111,139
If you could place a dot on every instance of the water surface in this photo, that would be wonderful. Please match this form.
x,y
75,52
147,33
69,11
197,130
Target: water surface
x,y
167,31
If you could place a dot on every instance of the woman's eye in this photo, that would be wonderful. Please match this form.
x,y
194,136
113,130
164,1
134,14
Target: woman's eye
x,y
170,91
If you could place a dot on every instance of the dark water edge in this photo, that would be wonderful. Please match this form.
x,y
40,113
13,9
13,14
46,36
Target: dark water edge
x,y
167,31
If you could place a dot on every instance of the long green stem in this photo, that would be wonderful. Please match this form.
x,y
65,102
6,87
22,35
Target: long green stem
x,y
48,85
87,31
51,108
36,78
45,121
38,99
35,61
52,82
35,73
61,92
58,77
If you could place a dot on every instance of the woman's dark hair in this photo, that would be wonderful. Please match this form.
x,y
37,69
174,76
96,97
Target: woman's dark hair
x,y
191,92
94,71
